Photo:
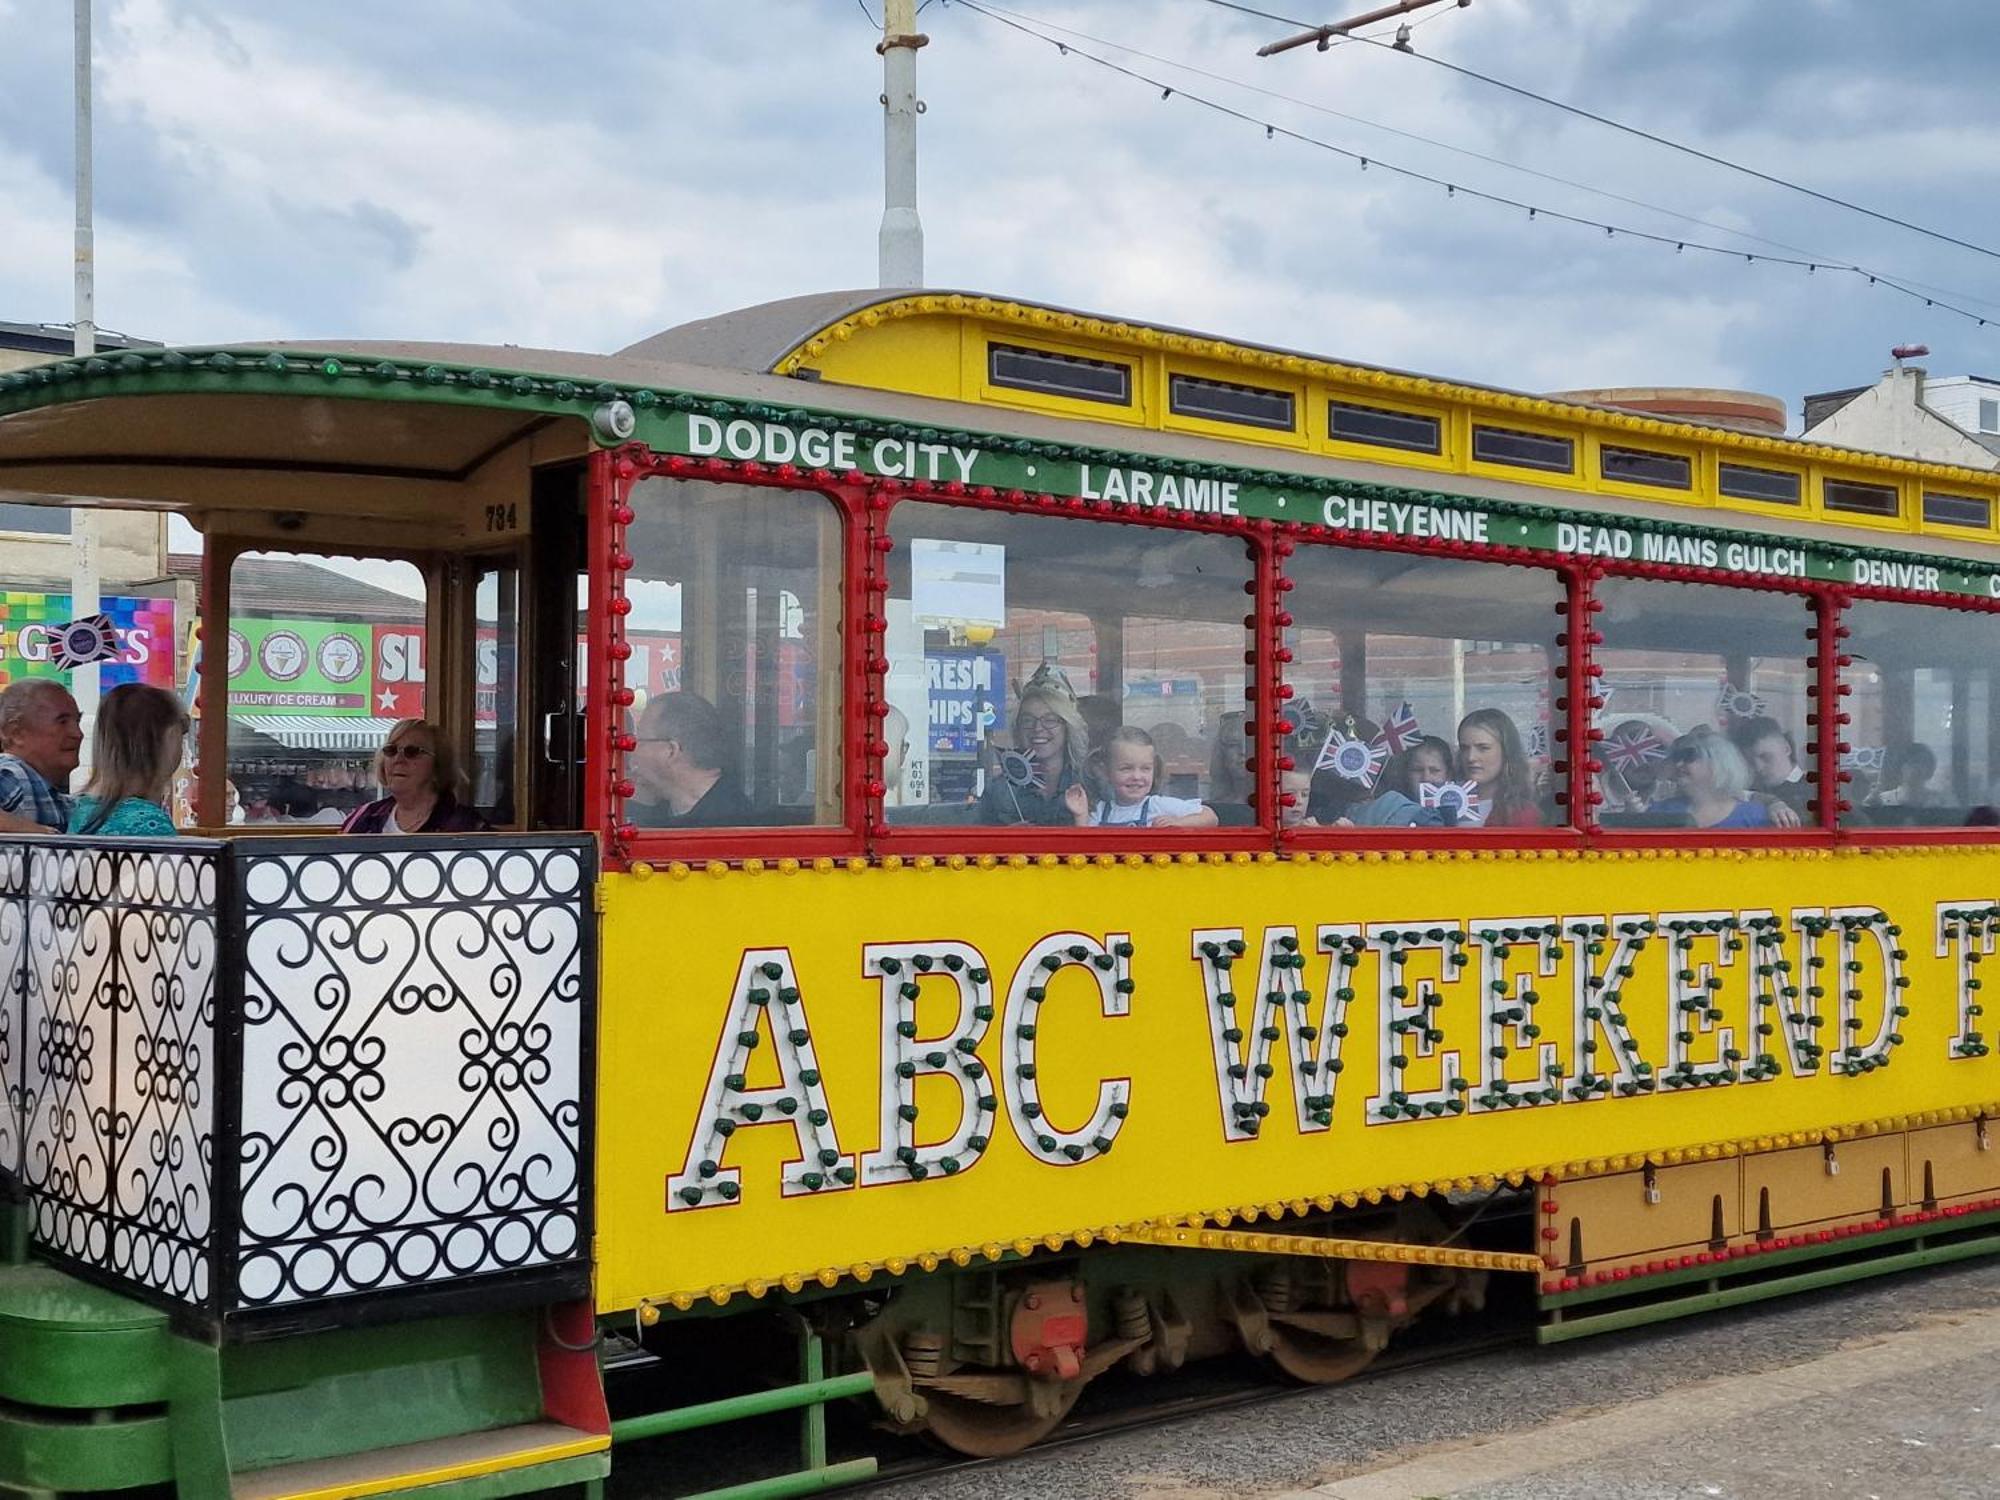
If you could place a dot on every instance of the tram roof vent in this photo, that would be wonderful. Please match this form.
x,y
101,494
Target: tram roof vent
x,y
1746,411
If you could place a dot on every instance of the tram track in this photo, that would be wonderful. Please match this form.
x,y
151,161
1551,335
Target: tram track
x,y
1114,1406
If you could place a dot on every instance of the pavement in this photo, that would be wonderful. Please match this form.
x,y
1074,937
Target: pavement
x,y
1879,1391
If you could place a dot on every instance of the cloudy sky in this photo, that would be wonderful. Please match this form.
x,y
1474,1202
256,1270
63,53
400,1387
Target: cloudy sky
x,y
581,174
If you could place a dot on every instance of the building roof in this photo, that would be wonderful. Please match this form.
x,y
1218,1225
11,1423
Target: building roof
x,y
290,587
59,339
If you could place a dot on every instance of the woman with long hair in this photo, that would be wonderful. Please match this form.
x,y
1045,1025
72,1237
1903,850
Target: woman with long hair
x,y
416,767
133,756
1491,756
1032,781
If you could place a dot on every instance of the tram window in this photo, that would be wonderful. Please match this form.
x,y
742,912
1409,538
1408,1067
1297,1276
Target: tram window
x,y
1924,700
736,656
1441,670
1222,401
324,655
496,607
1958,510
1861,499
1670,471
1025,650
1048,374
1705,706
1523,450
1750,482
1381,427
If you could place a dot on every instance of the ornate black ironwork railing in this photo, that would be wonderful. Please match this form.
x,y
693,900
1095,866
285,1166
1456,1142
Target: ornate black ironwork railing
x,y
259,1080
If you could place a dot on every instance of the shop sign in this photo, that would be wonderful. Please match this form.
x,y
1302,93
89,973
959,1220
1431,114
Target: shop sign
x,y
144,627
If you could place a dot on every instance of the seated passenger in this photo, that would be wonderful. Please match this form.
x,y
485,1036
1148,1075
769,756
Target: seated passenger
x,y
1492,758
133,756
681,767
41,733
1634,755
1773,761
1346,791
1426,763
1906,779
1713,783
1030,780
416,767
1129,767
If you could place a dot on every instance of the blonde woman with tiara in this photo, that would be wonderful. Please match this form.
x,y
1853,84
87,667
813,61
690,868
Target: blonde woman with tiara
x,y
1030,781
134,754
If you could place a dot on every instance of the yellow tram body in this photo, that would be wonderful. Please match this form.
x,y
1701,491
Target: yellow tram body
x,y
1171,1158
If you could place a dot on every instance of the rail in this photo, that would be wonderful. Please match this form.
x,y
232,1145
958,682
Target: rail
x,y
255,1081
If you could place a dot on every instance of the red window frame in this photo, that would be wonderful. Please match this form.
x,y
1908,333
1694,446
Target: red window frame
x,y
1817,834
1565,835
1165,843
612,478
864,503
1838,691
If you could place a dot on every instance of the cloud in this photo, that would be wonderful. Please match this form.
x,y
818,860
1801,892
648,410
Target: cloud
x,y
580,176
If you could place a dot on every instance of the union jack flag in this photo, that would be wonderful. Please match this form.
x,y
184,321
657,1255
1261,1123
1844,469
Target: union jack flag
x,y
1637,746
1400,730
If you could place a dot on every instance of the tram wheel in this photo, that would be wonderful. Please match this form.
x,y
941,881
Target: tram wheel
x,y
985,1429
1317,1348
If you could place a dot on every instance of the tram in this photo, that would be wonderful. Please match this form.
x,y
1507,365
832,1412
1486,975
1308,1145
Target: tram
x,y
1024,844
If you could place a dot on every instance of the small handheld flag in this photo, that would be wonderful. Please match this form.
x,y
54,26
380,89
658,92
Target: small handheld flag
x,y
83,641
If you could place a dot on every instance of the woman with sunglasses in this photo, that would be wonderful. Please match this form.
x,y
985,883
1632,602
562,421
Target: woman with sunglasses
x,y
416,767
1714,782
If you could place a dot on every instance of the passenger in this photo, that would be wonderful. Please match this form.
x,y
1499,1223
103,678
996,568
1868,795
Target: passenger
x,y
1337,801
1426,763
896,735
1773,761
682,767
1229,761
41,733
1490,755
1634,755
1129,767
1906,779
416,767
1714,783
133,756
1029,781
1101,715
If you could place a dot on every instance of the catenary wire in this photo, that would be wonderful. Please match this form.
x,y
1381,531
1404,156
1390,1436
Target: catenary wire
x,y
1273,130
1694,151
1409,135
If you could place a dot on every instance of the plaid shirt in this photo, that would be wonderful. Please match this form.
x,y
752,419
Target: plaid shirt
x,y
27,794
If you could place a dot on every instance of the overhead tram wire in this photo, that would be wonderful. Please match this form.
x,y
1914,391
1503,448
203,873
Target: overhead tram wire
x,y
1686,150
1272,130
1831,261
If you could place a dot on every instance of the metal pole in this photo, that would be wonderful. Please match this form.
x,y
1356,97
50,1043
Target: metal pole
x,y
1320,35
83,528
901,241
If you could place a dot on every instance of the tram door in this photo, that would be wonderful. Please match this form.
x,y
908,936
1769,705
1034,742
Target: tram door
x,y
554,604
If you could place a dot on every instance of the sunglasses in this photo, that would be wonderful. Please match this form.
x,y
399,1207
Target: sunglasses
x,y
1041,721
404,752
1684,756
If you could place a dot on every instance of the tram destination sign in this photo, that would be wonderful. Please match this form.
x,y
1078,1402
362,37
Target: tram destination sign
x,y
1416,517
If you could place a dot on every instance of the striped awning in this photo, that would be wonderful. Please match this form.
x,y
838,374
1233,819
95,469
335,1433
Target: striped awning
x,y
318,731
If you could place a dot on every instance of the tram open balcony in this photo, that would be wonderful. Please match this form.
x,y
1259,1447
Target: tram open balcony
x,y
271,1083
